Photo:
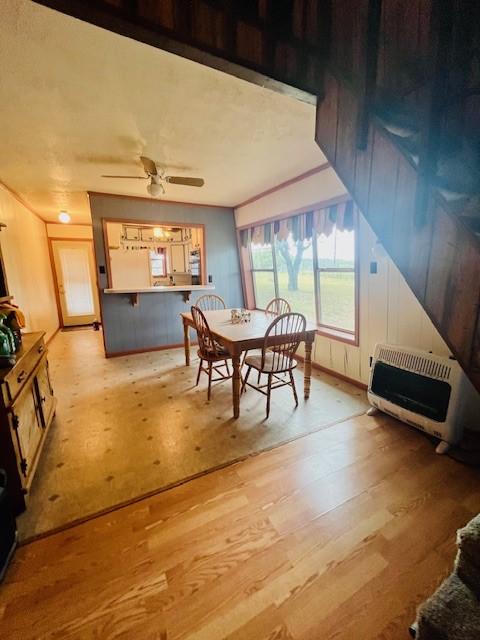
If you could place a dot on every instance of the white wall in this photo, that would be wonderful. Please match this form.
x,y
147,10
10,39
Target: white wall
x,y
316,188
27,264
389,312
59,230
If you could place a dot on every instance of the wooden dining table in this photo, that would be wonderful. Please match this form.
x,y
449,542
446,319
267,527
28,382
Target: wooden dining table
x,y
237,338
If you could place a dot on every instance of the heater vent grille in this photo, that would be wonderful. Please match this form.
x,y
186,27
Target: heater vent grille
x,y
415,363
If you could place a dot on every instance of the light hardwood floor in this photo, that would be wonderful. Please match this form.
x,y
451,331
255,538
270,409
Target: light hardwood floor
x,y
338,535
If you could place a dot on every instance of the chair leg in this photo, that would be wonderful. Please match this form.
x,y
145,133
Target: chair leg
x,y
292,382
244,383
209,380
259,377
199,371
228,370
269,391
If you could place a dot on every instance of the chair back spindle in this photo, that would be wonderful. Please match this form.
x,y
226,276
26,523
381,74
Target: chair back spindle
x,y
277,307
282,339
210,302
206,343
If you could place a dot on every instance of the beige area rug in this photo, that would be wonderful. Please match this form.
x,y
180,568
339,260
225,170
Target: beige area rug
x,y
130,426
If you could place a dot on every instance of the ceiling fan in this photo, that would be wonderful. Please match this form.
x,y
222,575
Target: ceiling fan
x,y
159,178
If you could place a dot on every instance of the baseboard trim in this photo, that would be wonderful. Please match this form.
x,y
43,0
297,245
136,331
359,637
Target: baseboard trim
x,y
132,352
335,374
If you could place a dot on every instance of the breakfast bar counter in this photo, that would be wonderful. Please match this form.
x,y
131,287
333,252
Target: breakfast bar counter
x,y
185,289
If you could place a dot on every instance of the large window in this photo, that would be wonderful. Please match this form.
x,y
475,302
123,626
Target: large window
x,y
316,275
335,265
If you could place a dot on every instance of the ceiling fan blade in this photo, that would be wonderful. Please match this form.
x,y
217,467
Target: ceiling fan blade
x,y
149,166
188,182
129,177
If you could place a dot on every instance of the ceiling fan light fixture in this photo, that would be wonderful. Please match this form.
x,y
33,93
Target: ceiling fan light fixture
x,y
64,217
154,189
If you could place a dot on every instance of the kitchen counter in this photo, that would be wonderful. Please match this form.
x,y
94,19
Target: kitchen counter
x,y
185,289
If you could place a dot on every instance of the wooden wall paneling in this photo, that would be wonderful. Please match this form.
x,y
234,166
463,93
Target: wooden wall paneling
x,y
410,246
453,287
159,13
249,43
182,18
312,72
475,361
229,28
264,9
208,25
346,135
326,119
298,18
444,247
348,31
404,46
383,187
286,63
368,75
463,294
363,167
431,114
312,21
376,292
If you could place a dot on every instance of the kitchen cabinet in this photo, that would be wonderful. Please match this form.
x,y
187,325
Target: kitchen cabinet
x,y
27,409
177,258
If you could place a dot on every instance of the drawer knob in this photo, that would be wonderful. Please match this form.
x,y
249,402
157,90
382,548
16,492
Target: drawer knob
x,y
21,376
41,348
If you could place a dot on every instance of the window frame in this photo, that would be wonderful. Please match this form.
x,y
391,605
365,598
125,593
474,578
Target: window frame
x,y
273,270
336,333
163,253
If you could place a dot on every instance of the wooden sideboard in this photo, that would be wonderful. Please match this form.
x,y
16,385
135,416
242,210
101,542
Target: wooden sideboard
x,y
27,408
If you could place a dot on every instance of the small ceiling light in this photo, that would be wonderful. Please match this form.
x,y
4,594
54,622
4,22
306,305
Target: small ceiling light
x,y
157,232
155,189
64,217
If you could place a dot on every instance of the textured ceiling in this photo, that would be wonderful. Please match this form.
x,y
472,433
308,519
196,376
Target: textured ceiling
x,y
77,102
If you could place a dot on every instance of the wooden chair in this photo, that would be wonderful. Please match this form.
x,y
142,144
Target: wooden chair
x,y
276,307
210,302
279,346
209,351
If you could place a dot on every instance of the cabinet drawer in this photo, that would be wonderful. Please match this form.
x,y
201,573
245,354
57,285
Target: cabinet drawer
x,y
19,373
28,432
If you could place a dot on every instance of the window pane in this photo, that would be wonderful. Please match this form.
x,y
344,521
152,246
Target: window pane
x,y
262,256
337,299
336,250
264,288
157,261
295,275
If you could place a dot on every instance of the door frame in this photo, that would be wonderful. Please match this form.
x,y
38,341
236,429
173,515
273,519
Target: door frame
x,y
55,279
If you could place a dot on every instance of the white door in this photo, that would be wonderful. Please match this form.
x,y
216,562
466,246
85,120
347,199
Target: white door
x,y
75,271
177,253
